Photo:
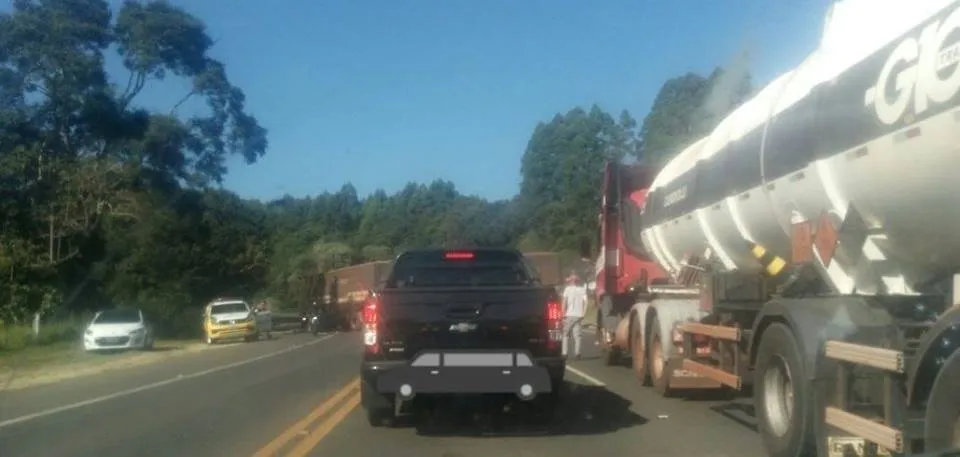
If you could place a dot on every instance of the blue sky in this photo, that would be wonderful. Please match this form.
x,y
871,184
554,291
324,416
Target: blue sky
x,y
380,93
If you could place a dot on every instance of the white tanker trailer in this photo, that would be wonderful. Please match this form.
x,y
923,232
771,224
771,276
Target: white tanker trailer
x,y
821,221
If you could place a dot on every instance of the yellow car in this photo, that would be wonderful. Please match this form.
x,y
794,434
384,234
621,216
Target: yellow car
x,y
228,319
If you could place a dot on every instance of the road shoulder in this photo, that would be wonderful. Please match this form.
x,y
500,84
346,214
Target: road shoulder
x,y
47,365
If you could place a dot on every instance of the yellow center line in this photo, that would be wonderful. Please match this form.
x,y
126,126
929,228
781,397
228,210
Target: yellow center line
x,y
310,441
271,449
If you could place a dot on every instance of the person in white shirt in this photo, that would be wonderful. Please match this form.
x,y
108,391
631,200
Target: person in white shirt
x,y
574,308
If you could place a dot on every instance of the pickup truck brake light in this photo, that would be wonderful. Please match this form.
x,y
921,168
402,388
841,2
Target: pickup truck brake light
x,y
371,316
554,323
458,255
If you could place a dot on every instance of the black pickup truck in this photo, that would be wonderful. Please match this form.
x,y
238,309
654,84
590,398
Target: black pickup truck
x,y
460,322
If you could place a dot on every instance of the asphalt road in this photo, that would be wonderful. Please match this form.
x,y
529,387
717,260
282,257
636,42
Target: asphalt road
x,y
296,396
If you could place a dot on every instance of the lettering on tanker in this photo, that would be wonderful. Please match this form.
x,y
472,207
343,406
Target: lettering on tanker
x,y
930,74
675,197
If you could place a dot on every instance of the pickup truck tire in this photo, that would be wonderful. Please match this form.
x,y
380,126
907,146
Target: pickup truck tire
x,y
380,417
612,355
941,430
546,407
783,399
378,409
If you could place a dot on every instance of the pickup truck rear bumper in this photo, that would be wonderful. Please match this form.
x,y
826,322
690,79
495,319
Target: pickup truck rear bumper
x,y
460,372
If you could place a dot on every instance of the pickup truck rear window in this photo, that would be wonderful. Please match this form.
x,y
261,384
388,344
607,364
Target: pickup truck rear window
x,y
459,269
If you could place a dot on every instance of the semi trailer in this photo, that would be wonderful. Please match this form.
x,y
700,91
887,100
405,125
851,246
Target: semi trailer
x,y
347,289
808,248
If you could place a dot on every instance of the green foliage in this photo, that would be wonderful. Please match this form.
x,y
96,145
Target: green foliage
x,y
687,108
104,203
14,337
563,164
102,200
562,172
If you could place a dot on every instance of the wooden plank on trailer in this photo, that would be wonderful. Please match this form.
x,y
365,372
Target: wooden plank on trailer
x,y
686,379
728,379
884,436
880,358
713,331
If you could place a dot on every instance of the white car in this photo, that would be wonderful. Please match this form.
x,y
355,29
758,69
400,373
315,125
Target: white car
x,y
123,328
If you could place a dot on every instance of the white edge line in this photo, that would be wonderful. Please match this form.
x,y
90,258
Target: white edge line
x,y
571,369
124,393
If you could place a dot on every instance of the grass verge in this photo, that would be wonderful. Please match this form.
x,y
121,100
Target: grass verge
x,y
60,353
37,365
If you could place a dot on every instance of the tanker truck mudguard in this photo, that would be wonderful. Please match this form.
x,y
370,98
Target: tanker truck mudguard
x,y
460,322
808,248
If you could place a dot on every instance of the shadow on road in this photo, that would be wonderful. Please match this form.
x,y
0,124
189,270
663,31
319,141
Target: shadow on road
x,y
735,406
740,412
583,410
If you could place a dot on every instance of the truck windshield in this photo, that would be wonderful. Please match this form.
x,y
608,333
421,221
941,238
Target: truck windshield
x,y
632,228
459,269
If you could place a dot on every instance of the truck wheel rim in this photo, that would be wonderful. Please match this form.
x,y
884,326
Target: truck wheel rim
x,y
778,396
657,359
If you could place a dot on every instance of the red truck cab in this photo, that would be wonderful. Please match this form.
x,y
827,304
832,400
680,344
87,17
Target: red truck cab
x,y
623,267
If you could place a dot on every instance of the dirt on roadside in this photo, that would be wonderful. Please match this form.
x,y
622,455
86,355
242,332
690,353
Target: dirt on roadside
x,y
54,365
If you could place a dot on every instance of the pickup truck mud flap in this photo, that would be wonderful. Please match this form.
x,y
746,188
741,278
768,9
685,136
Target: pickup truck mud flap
x,y
441,372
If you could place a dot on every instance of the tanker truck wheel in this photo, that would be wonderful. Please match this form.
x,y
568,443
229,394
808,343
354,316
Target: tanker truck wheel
x,y
612,354
641,366
658,360
783,399
942,420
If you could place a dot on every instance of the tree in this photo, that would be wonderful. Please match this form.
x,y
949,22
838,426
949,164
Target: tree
x,y
79,152
562,172
103,202
686,109
374,252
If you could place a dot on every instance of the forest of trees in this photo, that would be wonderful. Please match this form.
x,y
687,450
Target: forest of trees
x,y
106,203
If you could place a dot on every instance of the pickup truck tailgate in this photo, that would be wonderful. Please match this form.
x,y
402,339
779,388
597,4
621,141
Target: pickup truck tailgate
x,y
496,318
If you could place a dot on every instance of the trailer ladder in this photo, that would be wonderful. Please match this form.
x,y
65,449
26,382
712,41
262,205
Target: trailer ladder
x,y
892,363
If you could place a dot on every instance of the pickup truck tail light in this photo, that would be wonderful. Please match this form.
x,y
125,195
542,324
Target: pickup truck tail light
x,y
554,323
371,316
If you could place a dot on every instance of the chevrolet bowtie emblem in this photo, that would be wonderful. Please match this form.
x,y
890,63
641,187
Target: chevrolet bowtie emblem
x,y
463,327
